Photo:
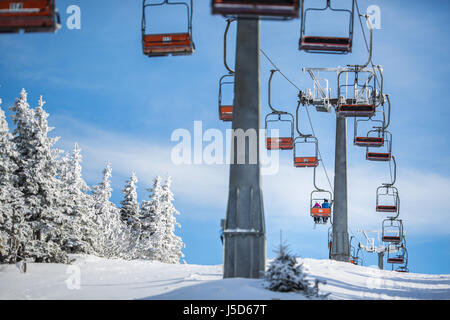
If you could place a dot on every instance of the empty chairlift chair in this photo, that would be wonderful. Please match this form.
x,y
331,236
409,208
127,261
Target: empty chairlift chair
x,y
387,199
369,141
398,255
381,155
308,158
29,16
362,100
165,44
392,230
274,9
404,267
286,140
225,110
326,44
374,138
356,109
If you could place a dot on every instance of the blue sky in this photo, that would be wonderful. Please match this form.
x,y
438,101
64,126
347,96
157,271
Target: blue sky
x,y
122,106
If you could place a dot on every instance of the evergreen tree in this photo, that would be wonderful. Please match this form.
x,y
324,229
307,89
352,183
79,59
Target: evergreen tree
x,y
172,244
112,238
152,226
285,275
157,239
12,231
36,162
79,229
129,211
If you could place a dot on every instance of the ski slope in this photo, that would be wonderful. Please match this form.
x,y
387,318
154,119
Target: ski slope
x,y
119,279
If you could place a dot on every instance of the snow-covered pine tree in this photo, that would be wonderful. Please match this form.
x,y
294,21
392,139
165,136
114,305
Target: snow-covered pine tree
x,y
129,211
285,275
152,226
112,238
12,230
157,239
79,229
172,244
36,162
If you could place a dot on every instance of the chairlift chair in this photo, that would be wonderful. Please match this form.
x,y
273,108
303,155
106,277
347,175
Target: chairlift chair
x,y
373,138
392,230
364,98
397,257
225,110
319,196
404,267
387,199
369,141
284,142
356,110
272,9
325,44
384,155
310,160
165,44
354,253
29,16
276,116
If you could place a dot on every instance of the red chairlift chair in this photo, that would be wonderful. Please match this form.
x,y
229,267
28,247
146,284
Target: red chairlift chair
x,y
392,230
225,110
29,16
165,44
285,142
384,155
325,44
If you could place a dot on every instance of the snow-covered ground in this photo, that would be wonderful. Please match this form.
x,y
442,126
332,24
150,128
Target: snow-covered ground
x,y
119,279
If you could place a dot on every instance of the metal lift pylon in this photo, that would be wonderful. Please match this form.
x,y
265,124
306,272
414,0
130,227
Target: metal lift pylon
x,y
244,227
340,244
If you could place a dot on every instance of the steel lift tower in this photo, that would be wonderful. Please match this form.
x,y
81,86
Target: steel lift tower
x,y
244,227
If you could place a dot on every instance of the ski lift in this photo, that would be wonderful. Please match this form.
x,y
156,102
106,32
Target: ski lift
x,y
356,110
320,44
321,203
320,197
281,9
364,96
277,116
386,154
354,253
387,199
165,44
311,160
397,256
404,267
373,138
392,230
370,140
225,110
29,16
